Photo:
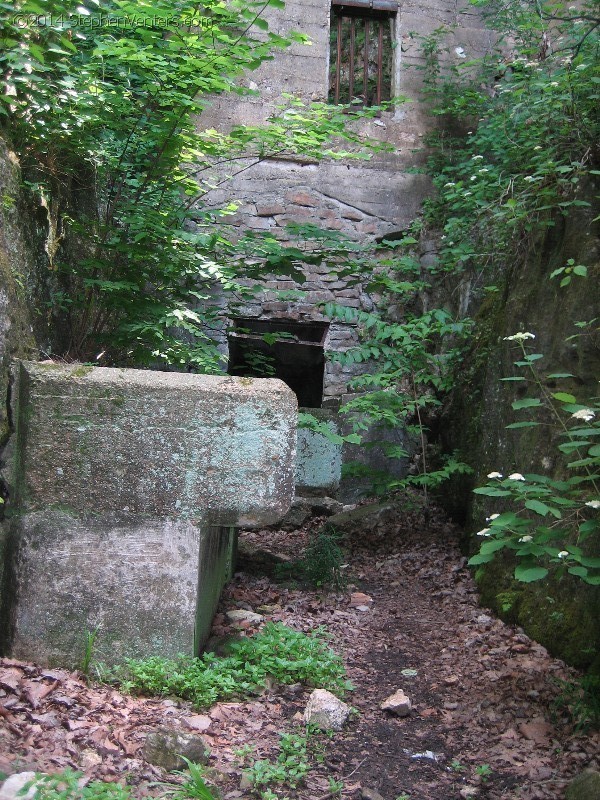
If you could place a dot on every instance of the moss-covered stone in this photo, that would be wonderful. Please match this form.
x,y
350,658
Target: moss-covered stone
x,y
561,612
585,787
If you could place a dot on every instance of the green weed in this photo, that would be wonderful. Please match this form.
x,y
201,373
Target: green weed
x,y
281,653
194,786
88,651
484,771
290,768
65,786
581,700
323,559
321,564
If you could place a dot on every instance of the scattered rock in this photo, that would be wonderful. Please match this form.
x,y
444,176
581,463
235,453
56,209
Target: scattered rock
x,y
397,703
255,560
585,786
12,787
90,759
468,792
221,645
199,722
326,711
299,512
325,506
241,615
361,518
370,794
360,600
165,747
245,782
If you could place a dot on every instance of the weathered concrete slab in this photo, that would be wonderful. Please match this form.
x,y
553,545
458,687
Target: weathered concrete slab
x,y
158,443
124,485
134,580
319,464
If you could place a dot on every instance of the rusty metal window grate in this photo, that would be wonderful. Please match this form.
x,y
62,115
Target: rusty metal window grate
x,y
361,52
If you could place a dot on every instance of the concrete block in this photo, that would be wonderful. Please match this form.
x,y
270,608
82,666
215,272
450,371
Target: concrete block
x,y
148,586
124,485
165,444
319,463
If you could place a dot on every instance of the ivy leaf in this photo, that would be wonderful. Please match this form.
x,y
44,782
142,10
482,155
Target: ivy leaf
x,y
581,572
480,558
526,574
564,397
538,507
526,402
492,546
492,491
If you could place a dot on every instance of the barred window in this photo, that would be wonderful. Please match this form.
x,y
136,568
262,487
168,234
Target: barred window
x,y
361,52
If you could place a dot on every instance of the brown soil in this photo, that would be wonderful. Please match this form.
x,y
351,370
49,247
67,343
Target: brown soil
x,y
485,698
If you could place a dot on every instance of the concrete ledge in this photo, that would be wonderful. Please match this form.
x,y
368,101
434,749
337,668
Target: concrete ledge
x,y
159,443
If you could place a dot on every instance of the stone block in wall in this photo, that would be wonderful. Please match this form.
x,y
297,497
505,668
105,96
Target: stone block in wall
x,y
269,211
301,198
124,487
319,465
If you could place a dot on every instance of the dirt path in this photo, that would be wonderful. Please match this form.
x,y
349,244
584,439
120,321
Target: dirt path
x,y
485,722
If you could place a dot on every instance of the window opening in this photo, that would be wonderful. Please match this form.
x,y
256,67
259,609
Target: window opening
x,y
280,348
361,53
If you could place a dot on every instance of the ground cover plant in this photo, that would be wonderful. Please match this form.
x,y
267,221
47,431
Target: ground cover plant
x,y
280,653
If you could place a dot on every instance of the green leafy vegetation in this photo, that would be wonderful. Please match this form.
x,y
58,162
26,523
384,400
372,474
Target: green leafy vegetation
x,y
548,519
88,651
580,699
101,102
322,561
483,772
66,785
70,785
194,786
530,119
520,148
277,652
288,770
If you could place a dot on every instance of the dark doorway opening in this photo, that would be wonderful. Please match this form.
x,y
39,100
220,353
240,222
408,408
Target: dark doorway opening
x,y
281,348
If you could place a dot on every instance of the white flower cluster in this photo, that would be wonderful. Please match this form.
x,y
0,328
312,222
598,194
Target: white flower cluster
x,y
519,337
586,414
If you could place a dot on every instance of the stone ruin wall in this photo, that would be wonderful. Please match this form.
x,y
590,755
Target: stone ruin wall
x,y
362,199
